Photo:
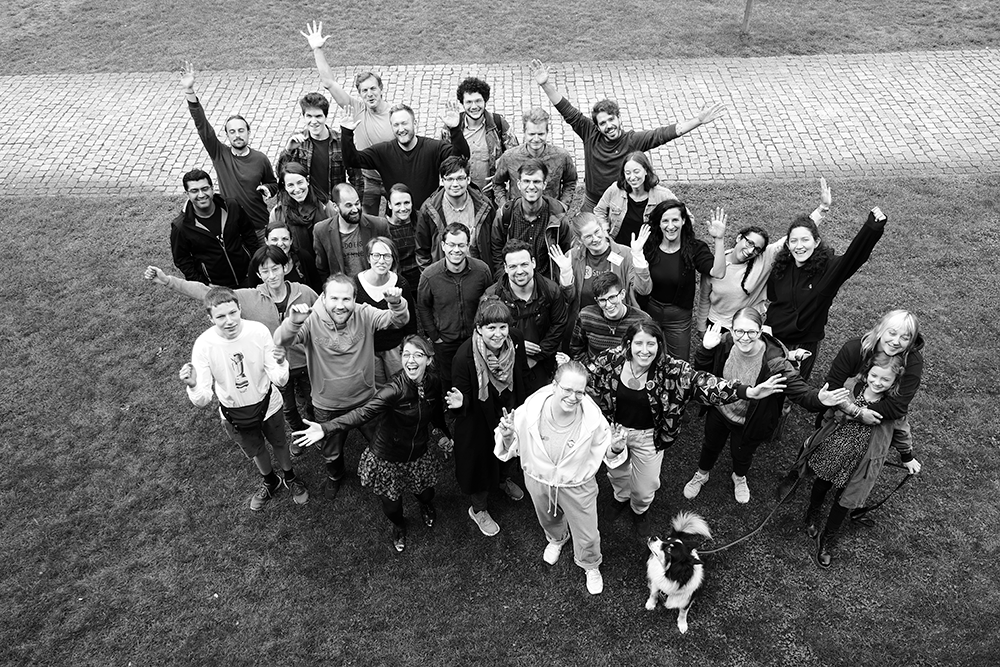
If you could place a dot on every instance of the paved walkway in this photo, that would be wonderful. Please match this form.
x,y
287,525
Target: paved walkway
x,y
791,117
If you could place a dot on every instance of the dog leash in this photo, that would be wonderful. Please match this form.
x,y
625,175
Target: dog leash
x,y
759,527
860,514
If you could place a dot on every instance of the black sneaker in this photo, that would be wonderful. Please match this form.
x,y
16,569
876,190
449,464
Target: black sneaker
x,y
429,514
259,499
300,495
331,488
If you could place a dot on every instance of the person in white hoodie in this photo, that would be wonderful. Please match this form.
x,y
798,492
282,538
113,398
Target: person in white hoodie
x,y
562,437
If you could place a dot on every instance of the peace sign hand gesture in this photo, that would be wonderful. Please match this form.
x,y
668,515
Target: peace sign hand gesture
x,y
506,425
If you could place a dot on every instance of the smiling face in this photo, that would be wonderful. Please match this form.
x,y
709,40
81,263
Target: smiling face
x,y
746,334
610,126
455,184
349,205
747,245
536,135
370,92
612,303
644,348
272,275
635,175
297,186
801,244
380,258
494,335
880,380
200,195
238,133
401,204
404,127
474,105
593,237
315,121
339,301
896,339
532,186
520,268
455,248
569,390
671,224
415,362
227,319
281,237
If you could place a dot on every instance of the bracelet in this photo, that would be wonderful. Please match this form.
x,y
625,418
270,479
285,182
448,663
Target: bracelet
x,y
857,411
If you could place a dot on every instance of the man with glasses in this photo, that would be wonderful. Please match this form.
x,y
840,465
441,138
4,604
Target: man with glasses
x,y
448,297
212,239
454,202
339,243
601,325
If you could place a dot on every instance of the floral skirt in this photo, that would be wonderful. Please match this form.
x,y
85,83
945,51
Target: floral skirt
x,y
392,479
836,459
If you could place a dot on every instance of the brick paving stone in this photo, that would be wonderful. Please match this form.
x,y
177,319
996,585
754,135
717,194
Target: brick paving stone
x,y
792,117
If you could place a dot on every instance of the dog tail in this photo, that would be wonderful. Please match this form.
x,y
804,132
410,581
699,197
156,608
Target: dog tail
x,y
691,524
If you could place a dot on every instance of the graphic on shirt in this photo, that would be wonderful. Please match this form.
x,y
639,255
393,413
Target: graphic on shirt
x,y
241,379
589,272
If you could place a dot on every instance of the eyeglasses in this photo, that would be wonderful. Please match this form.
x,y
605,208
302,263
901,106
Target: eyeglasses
x,y
579,393
455,246
740,333
455,179
602,300
756,248
196,191
381,255
417,356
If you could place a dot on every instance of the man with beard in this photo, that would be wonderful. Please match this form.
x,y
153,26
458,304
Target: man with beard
x,y
409,159
319,149
402,231
487,134
339,242
244,174
605,143
535,218
538,308
454,202
601,325
561,182
448,295
338,335
212,239
370,110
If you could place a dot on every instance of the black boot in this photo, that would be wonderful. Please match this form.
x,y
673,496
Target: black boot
x,y
812,521
399,536
824,552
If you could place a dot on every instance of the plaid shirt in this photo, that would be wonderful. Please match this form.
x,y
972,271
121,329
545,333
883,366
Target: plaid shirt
x,y
302,153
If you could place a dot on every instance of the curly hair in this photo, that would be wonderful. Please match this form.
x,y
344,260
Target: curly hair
x,y
656,234
817,262
473,85
609,107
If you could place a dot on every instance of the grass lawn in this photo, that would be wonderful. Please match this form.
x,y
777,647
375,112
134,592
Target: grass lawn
x,y
128,540
106,36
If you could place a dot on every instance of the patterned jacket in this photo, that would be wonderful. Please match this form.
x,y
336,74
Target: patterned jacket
x,y
672,384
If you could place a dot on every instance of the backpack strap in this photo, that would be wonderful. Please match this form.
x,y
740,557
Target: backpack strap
x,y
498,121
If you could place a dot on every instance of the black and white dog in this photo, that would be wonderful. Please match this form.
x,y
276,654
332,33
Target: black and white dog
x,y
673,569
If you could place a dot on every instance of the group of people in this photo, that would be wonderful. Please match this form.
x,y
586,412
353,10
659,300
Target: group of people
x,y
437,295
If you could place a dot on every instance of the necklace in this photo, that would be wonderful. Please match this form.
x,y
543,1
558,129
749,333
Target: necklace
x,y
635,381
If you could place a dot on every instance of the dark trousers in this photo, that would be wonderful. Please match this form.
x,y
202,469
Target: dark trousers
x,y
444,353
717,431
297,397
332,445
393,509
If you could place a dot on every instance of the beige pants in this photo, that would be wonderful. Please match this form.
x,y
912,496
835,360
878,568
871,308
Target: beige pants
x,y
569,511
638,478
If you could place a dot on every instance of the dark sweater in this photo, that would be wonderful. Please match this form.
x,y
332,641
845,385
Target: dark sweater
x,y
602,157
447,302
238,176
386,339
850,361
417,168
800,304
673,283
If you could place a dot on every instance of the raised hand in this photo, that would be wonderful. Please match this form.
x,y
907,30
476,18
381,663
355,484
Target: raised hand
x,y
712,337
451,114
833,398
454,399
540,71
560,258
772,385
506,425
878,214
299,313
155,274
637,242
717,223
312,434
912,466
188,375
532,348
278,353
711,112
264,192
187,78
314,33
825,195
393,295
561,358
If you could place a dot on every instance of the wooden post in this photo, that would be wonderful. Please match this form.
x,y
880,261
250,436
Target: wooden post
x,y
745,30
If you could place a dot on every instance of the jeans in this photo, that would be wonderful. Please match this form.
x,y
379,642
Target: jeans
x,y
297,397
371,197
332,445
676,325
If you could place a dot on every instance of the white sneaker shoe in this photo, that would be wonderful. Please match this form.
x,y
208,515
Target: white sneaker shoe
x,y
595,582
741,490
486,524
552,551
693,488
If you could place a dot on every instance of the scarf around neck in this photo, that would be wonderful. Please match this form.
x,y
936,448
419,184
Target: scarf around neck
x,y
492,368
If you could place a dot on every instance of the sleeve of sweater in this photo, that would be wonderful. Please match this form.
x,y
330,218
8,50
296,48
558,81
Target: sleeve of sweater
x,y
558,317
583,126
569,180
458,146
205,130
425,308
366,159
201,393
384,399
646,139
855,256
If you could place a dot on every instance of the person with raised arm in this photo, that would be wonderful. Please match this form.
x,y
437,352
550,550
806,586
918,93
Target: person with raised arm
x,y
606,144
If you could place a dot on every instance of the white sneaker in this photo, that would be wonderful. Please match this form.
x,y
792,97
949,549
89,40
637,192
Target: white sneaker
x,y
486,524
552,551
595,582
741,490
693,488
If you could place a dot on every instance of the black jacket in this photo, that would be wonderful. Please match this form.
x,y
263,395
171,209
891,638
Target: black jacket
x,y
402,433
214,260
